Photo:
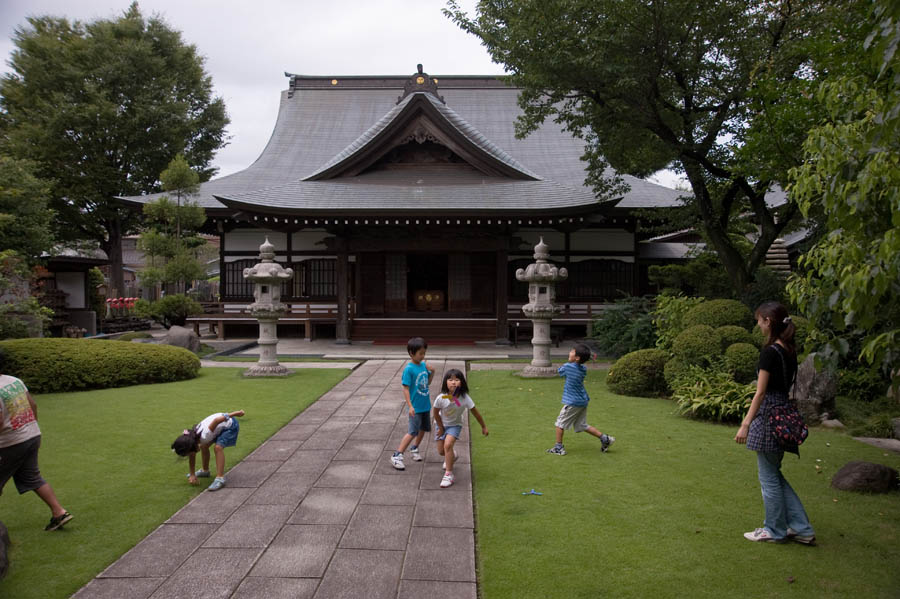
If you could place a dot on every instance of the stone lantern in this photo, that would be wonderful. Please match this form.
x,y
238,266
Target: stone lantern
x,y
267,277
541,277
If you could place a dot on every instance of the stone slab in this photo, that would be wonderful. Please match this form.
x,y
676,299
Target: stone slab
x,y
294,432
451,507
117,588
326,506
372,431
311,462
274,451
276,588
211,508
362,574
287,488
360,450
299,551
250,526
208,574
325,440
161,552
250,474
417,589
379,527
453,559
346,474
386,489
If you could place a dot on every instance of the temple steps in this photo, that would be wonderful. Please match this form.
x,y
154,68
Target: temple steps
x,y
461,330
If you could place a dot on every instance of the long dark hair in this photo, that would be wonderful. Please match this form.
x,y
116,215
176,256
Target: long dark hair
x,y
455,373
186,442
781,326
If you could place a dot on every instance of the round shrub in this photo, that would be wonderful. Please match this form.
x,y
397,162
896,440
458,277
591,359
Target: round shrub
x,y
675,369
52,365
758,337
697,344
732,334
718,313
639,373
742,359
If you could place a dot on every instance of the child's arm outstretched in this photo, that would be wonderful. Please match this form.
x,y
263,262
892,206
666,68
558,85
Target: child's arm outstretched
x,y
477,415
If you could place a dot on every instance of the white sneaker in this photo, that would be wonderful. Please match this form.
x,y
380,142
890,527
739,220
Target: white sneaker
x,y
416,456
447,480
761,534
397,462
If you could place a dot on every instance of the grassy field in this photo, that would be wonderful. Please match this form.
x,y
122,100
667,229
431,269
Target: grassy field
x,y
106,454
662,514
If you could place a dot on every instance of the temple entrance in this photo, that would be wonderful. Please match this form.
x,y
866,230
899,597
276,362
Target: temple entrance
x,y
426,283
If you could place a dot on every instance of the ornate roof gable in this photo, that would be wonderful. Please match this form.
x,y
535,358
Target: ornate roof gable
x,y
422,117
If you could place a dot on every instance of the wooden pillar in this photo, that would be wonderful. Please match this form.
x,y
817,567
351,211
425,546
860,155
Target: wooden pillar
x,y
221,263
636,266
502,295
342,329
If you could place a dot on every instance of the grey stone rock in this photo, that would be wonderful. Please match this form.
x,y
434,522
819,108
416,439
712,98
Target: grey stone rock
x,y
865,477
896,423
182,337
815,391
832,423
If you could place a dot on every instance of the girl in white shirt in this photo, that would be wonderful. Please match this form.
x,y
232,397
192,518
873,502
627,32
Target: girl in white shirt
x,y
449,415
220,429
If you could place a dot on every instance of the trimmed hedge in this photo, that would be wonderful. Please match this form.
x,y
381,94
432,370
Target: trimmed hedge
x,y
674,370
718,313
732,334
639,374
742,359
53,365
697,344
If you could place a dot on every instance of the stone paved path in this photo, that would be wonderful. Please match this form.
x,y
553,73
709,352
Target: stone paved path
x,y
317,511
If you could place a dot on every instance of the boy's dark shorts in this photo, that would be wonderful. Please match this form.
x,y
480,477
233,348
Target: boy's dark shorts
x,y
421,422
20,462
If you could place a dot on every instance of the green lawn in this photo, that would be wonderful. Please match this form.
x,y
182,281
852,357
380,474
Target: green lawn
x,y
662,514
106,454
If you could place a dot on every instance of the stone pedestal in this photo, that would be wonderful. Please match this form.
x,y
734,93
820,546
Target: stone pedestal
x,y
541,308
267,277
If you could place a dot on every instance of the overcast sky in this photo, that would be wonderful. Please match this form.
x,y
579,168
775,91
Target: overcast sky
x,y
249,45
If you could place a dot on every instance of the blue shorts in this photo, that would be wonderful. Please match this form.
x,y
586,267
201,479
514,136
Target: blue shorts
x,y
453,431
228,437
421,422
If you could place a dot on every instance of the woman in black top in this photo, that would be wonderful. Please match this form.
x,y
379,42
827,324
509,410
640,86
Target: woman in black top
x,y
785,517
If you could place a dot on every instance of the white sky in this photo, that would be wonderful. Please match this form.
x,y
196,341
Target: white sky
x,y
249,45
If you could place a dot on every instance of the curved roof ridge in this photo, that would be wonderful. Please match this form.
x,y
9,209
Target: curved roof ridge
x,y
477,139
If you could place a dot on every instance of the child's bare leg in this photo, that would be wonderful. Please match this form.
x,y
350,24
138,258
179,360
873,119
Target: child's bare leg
x,y
204,457
220,461
404,443
419,437
440,446
593,431
45,492
559,435
449,442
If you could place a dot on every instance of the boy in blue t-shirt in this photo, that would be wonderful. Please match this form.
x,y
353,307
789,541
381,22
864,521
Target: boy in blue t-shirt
x,y
416,378
575,400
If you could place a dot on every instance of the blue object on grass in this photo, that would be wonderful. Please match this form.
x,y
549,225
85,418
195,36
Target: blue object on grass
x,y
531,492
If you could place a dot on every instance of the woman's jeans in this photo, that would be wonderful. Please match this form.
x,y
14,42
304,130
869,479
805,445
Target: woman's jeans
x,y
783,507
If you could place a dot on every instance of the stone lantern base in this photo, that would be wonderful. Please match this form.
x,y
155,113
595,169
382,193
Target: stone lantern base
x,y
276,370
538,372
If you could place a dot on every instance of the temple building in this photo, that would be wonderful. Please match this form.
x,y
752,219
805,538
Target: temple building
x,y
405,204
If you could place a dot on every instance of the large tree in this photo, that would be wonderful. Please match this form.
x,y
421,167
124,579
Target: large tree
x,y
102,108
851,280
24,218
718,90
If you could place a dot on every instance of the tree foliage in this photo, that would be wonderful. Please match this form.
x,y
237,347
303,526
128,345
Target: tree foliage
x,y
101,108
852,173
719,90
24,216
170,240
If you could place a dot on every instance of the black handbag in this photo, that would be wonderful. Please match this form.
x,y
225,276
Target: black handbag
x,y
785,420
